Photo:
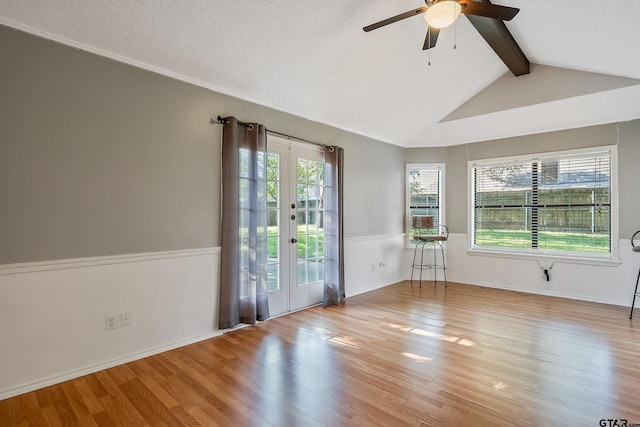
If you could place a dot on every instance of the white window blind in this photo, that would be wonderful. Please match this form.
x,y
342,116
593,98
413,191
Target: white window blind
x,y
549,203
424,184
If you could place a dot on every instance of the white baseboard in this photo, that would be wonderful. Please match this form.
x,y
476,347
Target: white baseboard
x,y
80,372
544,292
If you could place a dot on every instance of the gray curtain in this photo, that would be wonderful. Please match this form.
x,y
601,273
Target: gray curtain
x,y
243,269
333,237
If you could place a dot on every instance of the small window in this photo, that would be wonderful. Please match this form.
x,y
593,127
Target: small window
x,y
550,204
424,196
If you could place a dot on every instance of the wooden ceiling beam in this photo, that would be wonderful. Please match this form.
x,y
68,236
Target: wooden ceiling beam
x,y
498,36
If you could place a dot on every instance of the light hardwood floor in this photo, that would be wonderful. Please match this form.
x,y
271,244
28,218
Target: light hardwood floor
x,y
401,355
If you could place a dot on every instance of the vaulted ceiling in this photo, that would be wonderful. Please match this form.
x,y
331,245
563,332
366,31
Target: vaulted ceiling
x,y
312,59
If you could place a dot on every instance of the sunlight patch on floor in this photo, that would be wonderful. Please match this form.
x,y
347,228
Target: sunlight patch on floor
x,y
336,338
417,357
345,340
500,386
448,338
325,332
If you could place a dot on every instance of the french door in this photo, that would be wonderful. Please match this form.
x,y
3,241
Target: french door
x,y
295,214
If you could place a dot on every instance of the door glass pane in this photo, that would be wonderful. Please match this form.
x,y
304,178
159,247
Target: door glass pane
x,y
313,268
273,223
302,171
273,272
302,273
273,244
302,196
310,227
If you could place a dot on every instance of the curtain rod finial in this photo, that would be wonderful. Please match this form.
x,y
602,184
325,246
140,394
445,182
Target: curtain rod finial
x,y
218,121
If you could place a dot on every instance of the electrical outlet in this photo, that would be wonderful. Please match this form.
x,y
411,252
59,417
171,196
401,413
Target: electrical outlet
x,y
125,319
110,321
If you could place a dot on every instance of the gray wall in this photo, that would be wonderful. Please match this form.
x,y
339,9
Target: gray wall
x,y
592,136
456,159
629,169
101,158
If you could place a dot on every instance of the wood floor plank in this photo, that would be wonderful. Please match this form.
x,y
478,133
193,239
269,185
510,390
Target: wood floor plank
x,y
400,355
51,416
13,412
88,396
117,404
62,406
186,418
204,419
75,400
103,419
121,374
158,391
191,395
149,406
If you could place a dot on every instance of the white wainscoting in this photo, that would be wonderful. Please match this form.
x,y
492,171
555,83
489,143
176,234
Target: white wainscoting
x,y
610,284
52,314
372,262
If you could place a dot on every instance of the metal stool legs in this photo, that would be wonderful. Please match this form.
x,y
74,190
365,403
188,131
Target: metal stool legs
x,y
635,294
422,266
635,248
444,265
413,264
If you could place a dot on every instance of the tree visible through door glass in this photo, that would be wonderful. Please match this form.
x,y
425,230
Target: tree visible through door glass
x,y
310,234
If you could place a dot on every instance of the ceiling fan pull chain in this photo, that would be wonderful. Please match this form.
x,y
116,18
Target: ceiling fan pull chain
x,y
429,50
455,34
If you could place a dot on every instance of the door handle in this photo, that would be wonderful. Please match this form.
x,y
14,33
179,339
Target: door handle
x,y
294,240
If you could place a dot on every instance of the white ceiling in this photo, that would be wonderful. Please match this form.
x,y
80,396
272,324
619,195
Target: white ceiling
x,y
312,59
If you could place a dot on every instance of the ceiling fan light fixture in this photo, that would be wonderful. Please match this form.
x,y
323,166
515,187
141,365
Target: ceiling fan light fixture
x,y
442,14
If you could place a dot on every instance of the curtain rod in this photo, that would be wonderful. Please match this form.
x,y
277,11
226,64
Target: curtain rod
x,y
221,120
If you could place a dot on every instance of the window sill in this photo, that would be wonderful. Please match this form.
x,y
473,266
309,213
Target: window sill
x,y
605,262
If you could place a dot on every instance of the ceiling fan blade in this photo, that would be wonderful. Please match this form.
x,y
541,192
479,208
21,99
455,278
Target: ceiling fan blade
x,y
471,7
395,19
431,39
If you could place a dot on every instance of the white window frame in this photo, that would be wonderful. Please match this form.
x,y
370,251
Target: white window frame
x,y
431,166
611,258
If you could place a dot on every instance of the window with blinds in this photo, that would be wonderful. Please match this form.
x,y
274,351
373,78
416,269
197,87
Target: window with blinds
x,y
424,196
557,204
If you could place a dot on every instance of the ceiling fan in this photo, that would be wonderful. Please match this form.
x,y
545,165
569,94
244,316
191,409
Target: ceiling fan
x,y
486,17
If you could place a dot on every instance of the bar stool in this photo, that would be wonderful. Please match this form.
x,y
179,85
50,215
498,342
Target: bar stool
x,y
424,223
636,249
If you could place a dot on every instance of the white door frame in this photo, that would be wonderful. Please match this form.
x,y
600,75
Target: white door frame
x,y
290,296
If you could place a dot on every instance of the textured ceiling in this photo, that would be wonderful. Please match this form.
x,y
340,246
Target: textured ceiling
x,y
312,59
